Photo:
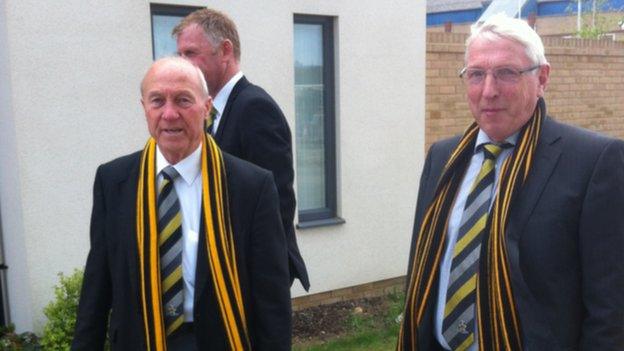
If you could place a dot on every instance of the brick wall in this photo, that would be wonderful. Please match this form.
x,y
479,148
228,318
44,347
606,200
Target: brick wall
x,y
586,85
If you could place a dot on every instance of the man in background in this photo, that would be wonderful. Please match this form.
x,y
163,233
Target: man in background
x,y
245,121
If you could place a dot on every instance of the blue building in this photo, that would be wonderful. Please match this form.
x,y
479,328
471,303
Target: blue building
x,y
464,12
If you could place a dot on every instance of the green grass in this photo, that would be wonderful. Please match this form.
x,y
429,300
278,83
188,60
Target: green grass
x,y
368,340
371,333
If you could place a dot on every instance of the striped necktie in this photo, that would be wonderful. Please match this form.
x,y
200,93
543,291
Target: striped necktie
x,y
211,118
459,313
170,246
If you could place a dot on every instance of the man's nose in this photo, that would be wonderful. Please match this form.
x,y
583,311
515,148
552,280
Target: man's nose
x,y
170,111
490,86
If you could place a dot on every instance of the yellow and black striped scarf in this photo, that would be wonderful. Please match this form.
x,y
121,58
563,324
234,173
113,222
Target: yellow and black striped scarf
x,y
219,248
498,322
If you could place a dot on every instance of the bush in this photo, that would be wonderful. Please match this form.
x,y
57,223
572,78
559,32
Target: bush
x,y
61,313
9,340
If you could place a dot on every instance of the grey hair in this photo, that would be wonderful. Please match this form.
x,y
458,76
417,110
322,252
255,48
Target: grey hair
x,y
500,26
182,63
217,27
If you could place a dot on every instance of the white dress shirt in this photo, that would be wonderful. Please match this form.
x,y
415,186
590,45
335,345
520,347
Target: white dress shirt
x,y
188,187
221,99
454,223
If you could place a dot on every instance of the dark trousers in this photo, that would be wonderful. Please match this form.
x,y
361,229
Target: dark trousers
x,y
183,339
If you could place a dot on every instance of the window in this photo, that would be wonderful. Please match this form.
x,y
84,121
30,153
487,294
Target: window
x,y
315,120
164,19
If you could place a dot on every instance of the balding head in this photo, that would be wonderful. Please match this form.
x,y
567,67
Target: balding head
x,y
180,64
176,103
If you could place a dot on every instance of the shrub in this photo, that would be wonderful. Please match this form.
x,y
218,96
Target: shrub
x,y
61,313
9,340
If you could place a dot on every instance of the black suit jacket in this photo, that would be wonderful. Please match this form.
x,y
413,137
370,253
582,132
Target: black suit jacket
x,y
254,128
565,240
111,275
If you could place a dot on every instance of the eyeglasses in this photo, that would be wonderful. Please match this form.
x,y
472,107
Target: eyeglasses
x,y
510,75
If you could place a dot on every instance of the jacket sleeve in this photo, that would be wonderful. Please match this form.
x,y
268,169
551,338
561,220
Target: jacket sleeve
x,y
95,297
601,243
267,142
268,264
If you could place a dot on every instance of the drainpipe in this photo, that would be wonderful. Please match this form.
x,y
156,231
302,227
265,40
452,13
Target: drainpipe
x,y
5,317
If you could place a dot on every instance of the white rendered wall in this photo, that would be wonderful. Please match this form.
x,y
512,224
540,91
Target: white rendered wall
x,y
380,66
10,202
74,71
69,76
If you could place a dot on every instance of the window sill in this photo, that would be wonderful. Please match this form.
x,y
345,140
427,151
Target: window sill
x,y
320,223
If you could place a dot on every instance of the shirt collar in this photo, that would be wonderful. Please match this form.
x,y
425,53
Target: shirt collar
x,y
483,138
189,167
221,99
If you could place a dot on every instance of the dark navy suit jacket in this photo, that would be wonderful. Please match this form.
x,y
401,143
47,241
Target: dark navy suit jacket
x,y
565,240
111,278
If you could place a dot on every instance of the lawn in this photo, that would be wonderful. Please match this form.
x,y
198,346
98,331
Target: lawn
x,y
373,340
375,329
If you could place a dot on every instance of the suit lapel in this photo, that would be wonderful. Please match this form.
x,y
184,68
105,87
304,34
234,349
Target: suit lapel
x,y
238,87
547,156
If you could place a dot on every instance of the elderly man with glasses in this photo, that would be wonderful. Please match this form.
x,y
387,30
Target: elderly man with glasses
x,y
518,230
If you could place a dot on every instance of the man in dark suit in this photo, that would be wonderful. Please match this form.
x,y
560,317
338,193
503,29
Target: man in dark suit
x,y
187,247
247,121
518,232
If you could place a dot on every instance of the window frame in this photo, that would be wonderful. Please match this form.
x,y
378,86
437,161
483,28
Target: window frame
x,y
329,213
168,10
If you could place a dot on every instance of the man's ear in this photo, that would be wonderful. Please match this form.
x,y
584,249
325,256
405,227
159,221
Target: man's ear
x,y
227,47
544,77
208,105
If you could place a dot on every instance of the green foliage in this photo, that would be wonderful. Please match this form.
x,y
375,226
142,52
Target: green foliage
x,y
374,340
588,32
390,320
61,312
360,322
394,315
595,19
11,341
367,332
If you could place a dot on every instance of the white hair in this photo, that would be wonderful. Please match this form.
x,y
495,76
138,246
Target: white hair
x,y
500,26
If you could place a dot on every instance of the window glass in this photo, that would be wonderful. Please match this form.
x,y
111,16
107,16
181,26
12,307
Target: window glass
x,y
309,116
164,19
315,120
164,43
